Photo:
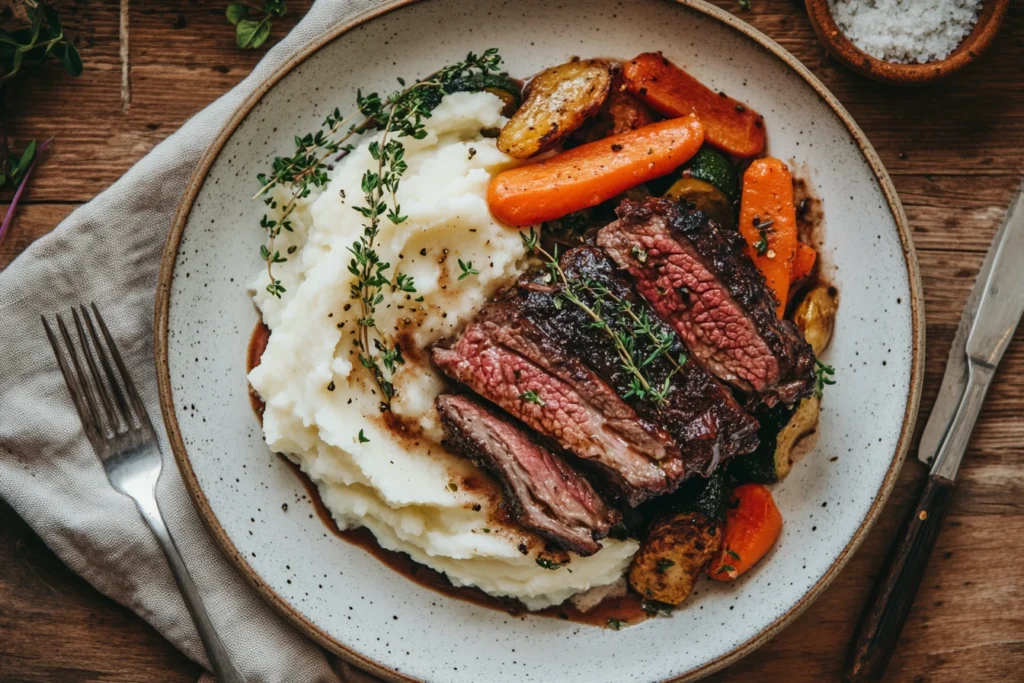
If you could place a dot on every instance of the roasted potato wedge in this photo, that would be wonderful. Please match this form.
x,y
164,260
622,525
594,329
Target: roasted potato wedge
x,y
670,560
816,317
558,101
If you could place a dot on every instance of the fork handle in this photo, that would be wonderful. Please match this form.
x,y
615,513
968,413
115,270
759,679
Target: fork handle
x,y
223,668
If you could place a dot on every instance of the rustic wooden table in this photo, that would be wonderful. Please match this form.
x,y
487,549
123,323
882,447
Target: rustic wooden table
x,y
955,151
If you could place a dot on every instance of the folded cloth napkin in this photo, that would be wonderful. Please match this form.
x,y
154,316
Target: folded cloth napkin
x,y
108,251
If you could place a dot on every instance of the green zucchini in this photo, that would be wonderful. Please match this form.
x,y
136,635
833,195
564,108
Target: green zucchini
x,y
502,85
711,166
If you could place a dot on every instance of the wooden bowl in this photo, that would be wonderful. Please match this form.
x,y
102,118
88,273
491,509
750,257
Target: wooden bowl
x,y
842,48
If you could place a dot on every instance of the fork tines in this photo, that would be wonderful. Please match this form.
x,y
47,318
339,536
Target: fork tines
x,y
107,402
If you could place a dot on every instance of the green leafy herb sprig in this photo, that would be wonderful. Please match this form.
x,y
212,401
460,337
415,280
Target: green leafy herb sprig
x,y
398,115
823,374
21,50
253,24
622,323
31,45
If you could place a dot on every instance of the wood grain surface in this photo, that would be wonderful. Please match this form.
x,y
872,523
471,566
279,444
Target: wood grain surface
x,y
956,153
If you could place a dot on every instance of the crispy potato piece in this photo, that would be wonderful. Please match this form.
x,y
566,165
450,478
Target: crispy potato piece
x,y
674,554
558,101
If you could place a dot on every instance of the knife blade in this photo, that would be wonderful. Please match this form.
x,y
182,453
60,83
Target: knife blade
x,y
993,311
954,380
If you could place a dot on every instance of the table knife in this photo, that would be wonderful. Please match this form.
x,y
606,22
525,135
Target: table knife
x,y
993,310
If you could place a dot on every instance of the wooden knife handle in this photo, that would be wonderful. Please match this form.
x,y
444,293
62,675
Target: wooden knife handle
x,y
897,583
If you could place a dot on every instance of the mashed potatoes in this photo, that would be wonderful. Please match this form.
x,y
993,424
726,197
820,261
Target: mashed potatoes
x,y
396,480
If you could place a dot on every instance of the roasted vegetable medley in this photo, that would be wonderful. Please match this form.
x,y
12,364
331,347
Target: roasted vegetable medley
x,y
606,131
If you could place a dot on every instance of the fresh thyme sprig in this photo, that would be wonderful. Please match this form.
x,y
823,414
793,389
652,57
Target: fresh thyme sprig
x,y
822,377
399,115
623,325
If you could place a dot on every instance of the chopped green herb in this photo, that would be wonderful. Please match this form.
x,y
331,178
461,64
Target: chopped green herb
x,y
733,554
616,623
663,565
467,269
725,568
655,608
761,246
532,397
639,254
744,5
362,437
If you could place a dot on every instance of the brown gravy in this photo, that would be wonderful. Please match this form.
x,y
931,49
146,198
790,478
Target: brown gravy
x,y
627,609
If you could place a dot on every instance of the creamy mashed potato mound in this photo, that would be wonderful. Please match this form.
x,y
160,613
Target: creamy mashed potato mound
x,y
408,491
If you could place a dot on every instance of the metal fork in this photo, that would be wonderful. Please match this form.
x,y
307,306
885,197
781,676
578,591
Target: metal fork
x,y
119,429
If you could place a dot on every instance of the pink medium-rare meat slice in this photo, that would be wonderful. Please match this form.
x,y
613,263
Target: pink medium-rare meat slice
x,y
698,277
701,414
543,492
560,398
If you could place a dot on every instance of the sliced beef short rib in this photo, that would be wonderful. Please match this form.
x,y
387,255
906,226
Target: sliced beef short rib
x,y
703,417
543,493
508,360
699,278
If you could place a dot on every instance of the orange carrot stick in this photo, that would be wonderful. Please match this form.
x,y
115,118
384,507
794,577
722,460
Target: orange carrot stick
x,y
803,261
728,124
768,223
589,174
752,525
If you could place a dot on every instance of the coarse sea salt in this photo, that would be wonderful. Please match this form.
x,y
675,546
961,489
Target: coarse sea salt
x,y
906,31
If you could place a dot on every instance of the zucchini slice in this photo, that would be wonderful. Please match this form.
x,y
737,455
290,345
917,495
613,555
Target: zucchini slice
x,y
711,166
502,85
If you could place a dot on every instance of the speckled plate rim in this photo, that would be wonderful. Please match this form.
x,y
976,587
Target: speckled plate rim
x,y
160,331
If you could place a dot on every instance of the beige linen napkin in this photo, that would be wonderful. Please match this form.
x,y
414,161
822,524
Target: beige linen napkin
x,y
108,251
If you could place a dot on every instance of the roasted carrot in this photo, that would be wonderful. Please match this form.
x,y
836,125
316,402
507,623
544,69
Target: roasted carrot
x,y
768,223
752,525
589,174
803,261
728,124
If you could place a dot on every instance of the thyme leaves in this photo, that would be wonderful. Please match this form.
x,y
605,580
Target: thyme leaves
x,y
623,323
823,374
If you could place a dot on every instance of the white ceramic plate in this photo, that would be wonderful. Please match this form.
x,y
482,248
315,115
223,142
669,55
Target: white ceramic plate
x,y
344,597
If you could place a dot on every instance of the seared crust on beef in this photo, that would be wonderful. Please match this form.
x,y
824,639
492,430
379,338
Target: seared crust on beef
x,y
701,415
543,493
698,277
